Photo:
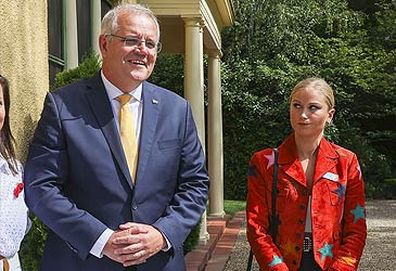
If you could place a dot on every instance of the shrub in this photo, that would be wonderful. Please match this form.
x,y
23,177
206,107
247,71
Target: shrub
x,y
192,239
87,68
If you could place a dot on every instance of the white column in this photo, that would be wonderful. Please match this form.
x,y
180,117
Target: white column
x,y
215,136
96,18
194,84
193,72
70,29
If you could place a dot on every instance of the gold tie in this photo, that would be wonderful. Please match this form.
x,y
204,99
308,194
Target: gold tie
x,y
128,134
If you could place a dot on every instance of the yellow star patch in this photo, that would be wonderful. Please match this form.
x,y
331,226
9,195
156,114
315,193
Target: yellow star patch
x,y
289,248
348,260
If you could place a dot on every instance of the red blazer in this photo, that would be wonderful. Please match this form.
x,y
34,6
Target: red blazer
x,y
337,211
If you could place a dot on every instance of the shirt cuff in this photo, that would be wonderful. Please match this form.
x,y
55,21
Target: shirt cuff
x,y
97,249
168,245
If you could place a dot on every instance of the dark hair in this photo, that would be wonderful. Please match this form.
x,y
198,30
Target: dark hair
x,y
6,139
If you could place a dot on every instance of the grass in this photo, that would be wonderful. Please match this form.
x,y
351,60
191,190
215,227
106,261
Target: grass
x,y
233,206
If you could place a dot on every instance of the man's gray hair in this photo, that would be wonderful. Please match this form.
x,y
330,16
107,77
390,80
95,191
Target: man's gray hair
x,y
110,20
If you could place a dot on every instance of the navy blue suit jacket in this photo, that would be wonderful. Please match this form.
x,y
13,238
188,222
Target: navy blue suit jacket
x,y
78,184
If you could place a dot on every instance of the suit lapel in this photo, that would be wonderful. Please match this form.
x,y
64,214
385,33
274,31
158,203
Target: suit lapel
x,y
101,108
325,161
151,109
289,162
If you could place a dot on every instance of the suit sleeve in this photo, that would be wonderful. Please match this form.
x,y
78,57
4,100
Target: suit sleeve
x,y
258,211
354,221
189,200
46,175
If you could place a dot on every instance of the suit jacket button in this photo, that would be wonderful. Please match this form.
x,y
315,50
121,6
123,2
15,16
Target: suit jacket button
x,y
134,207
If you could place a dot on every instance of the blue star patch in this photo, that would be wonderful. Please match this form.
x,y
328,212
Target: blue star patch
x,y
275,261
340,191
326,251
252,171
358,212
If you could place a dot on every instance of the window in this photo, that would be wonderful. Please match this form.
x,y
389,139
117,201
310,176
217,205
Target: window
x,y
84,28
56,25
106,6
55,39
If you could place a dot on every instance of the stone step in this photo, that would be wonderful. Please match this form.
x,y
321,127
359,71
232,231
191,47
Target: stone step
x,y
213,255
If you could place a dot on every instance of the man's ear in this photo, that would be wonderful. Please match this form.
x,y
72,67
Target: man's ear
x,y
103,43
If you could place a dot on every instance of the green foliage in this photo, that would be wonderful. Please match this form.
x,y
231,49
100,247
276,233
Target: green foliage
x,y
389,188
233,206
375,165
168,73
87,68
192,240
274,44
32,248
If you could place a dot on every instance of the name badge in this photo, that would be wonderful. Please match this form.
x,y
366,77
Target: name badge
x,y
331,176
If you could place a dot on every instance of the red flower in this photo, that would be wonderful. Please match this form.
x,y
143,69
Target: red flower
x,y
18,189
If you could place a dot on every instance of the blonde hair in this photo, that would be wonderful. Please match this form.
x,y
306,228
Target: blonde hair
x,y
318,84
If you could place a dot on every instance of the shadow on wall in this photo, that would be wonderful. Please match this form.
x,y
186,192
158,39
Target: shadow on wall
x,y
23,141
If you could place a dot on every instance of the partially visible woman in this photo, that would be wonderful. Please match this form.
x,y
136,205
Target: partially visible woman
x,y
320,200
13,211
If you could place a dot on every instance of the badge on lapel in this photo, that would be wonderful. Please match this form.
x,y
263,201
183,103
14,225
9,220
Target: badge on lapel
x,y
331,176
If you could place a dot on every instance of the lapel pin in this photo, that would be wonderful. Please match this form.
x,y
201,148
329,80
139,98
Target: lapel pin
x,y
155,101
331,176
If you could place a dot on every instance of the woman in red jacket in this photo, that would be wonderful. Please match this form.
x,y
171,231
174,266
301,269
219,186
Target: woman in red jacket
x,y
320,200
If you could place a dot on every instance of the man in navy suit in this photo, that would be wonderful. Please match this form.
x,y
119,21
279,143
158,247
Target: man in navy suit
x,y
99,215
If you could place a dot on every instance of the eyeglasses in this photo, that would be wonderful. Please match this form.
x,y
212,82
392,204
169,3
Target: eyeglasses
x,y
135,42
